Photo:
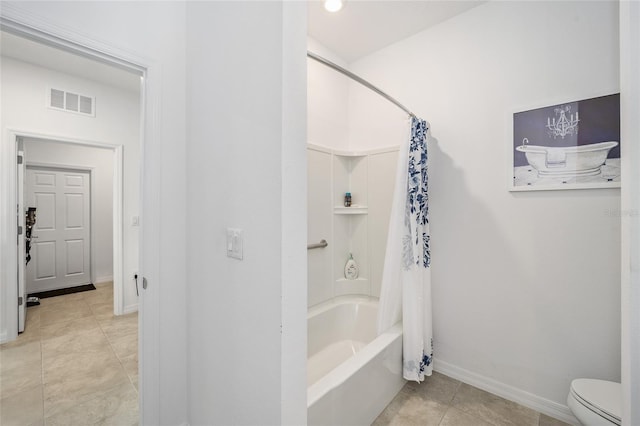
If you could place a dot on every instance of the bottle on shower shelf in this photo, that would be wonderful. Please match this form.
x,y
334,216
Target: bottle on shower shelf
x,y
347,199
351,268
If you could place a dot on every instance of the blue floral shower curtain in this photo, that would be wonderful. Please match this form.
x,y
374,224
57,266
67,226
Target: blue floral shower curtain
x,y
406,280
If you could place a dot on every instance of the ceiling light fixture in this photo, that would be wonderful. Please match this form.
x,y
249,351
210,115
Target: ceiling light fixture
x,y
333,5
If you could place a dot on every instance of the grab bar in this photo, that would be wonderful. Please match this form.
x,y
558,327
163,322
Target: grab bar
x,y
321,244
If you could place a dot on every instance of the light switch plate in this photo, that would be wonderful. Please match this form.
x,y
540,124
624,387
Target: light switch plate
x,y
234,243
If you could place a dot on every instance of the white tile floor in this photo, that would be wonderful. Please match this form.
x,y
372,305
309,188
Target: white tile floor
x,y
75,364
443,401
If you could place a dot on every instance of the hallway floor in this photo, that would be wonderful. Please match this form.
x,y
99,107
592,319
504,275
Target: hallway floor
x,y
75,364
443,401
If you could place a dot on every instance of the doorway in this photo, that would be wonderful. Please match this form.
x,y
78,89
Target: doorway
x,y
34,73
53,169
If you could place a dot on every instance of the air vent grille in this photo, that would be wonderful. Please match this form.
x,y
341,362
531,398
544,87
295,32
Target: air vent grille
x,y
72,102
57,98
86,105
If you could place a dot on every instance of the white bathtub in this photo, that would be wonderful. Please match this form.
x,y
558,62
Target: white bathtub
x,y
582,160
352,373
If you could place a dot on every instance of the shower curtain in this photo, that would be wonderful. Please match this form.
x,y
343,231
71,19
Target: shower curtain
x,y
406,278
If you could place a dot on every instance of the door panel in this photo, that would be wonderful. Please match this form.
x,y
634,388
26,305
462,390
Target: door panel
x,y
74,180
45,259
62,232
45,179
74,211
75,264
46,213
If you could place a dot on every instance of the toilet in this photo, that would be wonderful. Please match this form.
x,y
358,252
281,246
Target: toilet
x,y
596,402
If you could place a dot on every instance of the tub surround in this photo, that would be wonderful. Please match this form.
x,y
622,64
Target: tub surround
x,y
360,230
353,373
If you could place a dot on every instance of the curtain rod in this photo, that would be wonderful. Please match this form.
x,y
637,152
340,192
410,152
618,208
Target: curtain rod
x,y
359,79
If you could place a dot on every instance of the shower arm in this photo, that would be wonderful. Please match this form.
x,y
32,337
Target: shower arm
x,y
360,80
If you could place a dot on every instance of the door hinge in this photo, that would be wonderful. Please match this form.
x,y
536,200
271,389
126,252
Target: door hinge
x,y
19,230
20,301
20,159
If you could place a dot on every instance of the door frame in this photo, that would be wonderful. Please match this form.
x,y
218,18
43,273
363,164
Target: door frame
x,y
92,248
21,171
10,150
21,22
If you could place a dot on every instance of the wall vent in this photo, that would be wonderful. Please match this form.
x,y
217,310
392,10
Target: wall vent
x,y
72,102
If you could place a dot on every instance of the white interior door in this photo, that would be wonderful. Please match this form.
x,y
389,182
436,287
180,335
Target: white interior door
x,y
22,290
60,247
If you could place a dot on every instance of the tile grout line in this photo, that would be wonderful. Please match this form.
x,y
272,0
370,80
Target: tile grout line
x,y
113,350
444,414
44,419
36,330
450,403
93,316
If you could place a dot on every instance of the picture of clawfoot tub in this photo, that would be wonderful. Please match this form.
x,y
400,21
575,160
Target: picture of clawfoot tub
x,y
573,161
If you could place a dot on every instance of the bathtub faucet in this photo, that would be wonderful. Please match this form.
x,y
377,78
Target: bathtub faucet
x,y
525,141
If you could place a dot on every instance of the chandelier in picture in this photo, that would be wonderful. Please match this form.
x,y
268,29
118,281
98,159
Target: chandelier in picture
x,y
563,126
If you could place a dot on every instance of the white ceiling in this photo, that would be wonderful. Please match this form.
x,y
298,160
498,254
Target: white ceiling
x,y
360,28
364,26
45,56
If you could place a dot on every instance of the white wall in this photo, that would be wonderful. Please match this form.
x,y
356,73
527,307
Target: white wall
x,y
152,33
100,160
630,210
246,133
327,100
117,121
526,286
380,124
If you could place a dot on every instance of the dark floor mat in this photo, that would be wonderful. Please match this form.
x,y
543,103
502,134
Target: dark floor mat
x,y
63,291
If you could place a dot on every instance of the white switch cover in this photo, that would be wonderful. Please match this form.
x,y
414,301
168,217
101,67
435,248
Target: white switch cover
x,y
234,243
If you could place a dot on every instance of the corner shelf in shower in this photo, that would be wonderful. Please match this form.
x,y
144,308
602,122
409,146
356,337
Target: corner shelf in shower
x,y
355,281
350,210
359,286
351,154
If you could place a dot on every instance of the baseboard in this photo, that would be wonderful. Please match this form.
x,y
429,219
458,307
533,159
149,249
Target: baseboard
x,y
542,405
3,337
104,279
130,308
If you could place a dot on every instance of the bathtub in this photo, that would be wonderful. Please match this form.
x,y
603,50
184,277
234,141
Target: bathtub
x,y
582,160
352,373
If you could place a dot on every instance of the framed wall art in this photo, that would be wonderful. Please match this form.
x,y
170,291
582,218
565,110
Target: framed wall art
x,y
572,145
